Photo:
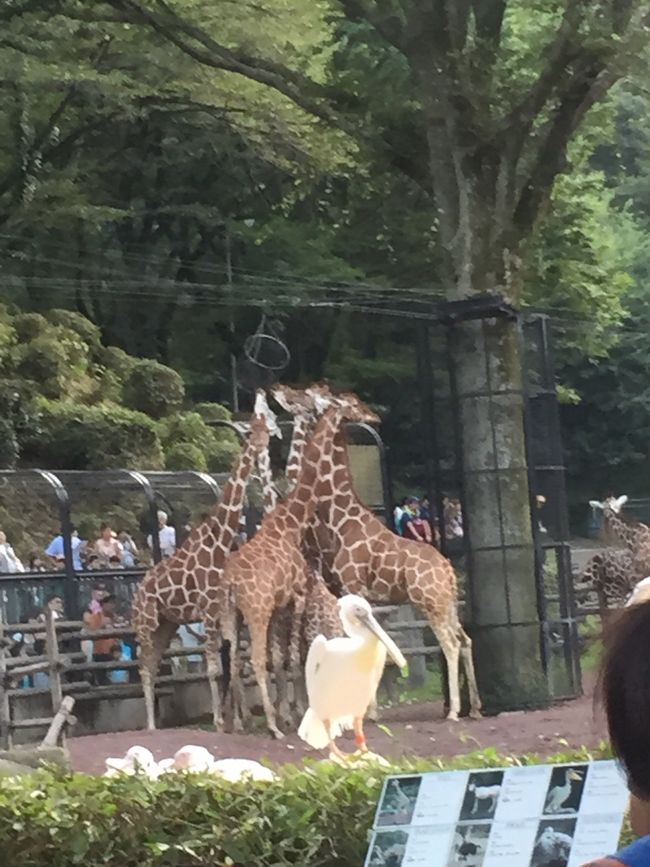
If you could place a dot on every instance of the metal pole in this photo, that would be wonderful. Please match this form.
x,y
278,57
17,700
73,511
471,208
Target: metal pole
x,y
428,430
233,360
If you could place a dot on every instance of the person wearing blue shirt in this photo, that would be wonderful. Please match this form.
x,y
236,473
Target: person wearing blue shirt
x,y
625,680
55,549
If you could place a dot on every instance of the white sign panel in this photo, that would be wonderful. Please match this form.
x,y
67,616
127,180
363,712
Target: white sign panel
x,y
530,816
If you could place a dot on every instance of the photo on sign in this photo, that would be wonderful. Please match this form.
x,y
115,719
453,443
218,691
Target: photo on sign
x,y
553,843
469,846
481,795
388,849
565,790
399,800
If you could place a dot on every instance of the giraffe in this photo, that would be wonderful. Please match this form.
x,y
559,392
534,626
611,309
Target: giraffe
x,y
633,534
611,574
186,586
364,557
270,572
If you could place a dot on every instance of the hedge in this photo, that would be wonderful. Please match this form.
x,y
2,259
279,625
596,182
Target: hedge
x,y
106,436
319,815
153,388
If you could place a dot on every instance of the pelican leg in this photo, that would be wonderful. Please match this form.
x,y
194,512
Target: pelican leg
x,y
359,737
332,746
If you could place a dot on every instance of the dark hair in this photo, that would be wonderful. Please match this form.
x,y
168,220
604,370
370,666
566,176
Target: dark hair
x,y
110,598
52,597
103,527
625,692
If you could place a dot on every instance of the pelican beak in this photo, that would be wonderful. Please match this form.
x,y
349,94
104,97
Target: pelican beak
x,y
393,650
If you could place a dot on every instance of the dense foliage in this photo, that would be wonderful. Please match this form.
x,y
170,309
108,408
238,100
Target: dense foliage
x,y
319,815
161,193
69,402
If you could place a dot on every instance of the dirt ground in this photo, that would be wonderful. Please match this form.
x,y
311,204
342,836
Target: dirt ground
x,y
415,730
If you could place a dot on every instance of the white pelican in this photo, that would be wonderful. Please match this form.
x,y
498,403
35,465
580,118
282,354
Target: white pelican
x,y
559,794
342,676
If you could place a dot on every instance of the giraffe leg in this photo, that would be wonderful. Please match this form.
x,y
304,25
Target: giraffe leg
x,y
277,639
152,646
239,706
212,645
450,646
295,667
467,659
259,640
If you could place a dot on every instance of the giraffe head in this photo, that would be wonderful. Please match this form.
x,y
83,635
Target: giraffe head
x,y
263,411
296,401
351,407
613,505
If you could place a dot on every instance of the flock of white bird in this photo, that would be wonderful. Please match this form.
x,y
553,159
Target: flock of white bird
x,y
342,676
189,759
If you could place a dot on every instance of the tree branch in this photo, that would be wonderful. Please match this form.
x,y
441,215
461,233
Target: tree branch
x,y
388,27
195,43
551,156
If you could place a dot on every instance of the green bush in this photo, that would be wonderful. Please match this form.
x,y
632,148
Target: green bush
x,y
117,360
8,444
222,454
8,338
106,436
44,361
72,321
213,411
30,325
154,389
319,816
185,427
185,456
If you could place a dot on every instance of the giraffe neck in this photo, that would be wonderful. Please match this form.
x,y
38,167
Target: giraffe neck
x,y
624,531
266,477
298,508
220,527
301,425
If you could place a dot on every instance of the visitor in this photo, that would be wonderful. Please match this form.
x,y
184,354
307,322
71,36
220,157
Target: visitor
x,y
54,604
412,525
55,549
129,550
166,536
104,649
398,514
9,563
625,673
36,562
107,547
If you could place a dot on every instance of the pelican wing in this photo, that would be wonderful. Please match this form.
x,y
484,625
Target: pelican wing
x,y
315,657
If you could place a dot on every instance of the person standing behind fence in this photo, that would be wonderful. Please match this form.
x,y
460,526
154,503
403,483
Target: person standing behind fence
x,y
9,563
104,649
129,550
56,552
166,536
107,547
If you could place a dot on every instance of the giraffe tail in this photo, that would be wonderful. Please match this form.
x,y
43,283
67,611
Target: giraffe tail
x,y
312,730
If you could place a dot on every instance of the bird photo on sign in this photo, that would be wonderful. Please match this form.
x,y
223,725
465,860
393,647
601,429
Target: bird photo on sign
x,y
469,846
553,843
565,789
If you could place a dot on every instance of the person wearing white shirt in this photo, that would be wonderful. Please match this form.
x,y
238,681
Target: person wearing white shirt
x,y
9,563
166,536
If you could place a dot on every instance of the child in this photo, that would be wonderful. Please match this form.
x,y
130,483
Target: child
x,y
625,682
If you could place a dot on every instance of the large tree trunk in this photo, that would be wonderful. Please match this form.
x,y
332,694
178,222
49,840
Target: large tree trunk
x,y
502,610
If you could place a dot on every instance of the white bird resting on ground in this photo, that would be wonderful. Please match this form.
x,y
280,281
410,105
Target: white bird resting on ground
x,y
189,759
342,677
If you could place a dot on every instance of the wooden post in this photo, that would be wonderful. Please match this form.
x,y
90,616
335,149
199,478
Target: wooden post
x,y
52,651
5,707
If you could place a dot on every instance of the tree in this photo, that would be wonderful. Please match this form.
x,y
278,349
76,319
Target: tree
x,y
496,91
491,93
